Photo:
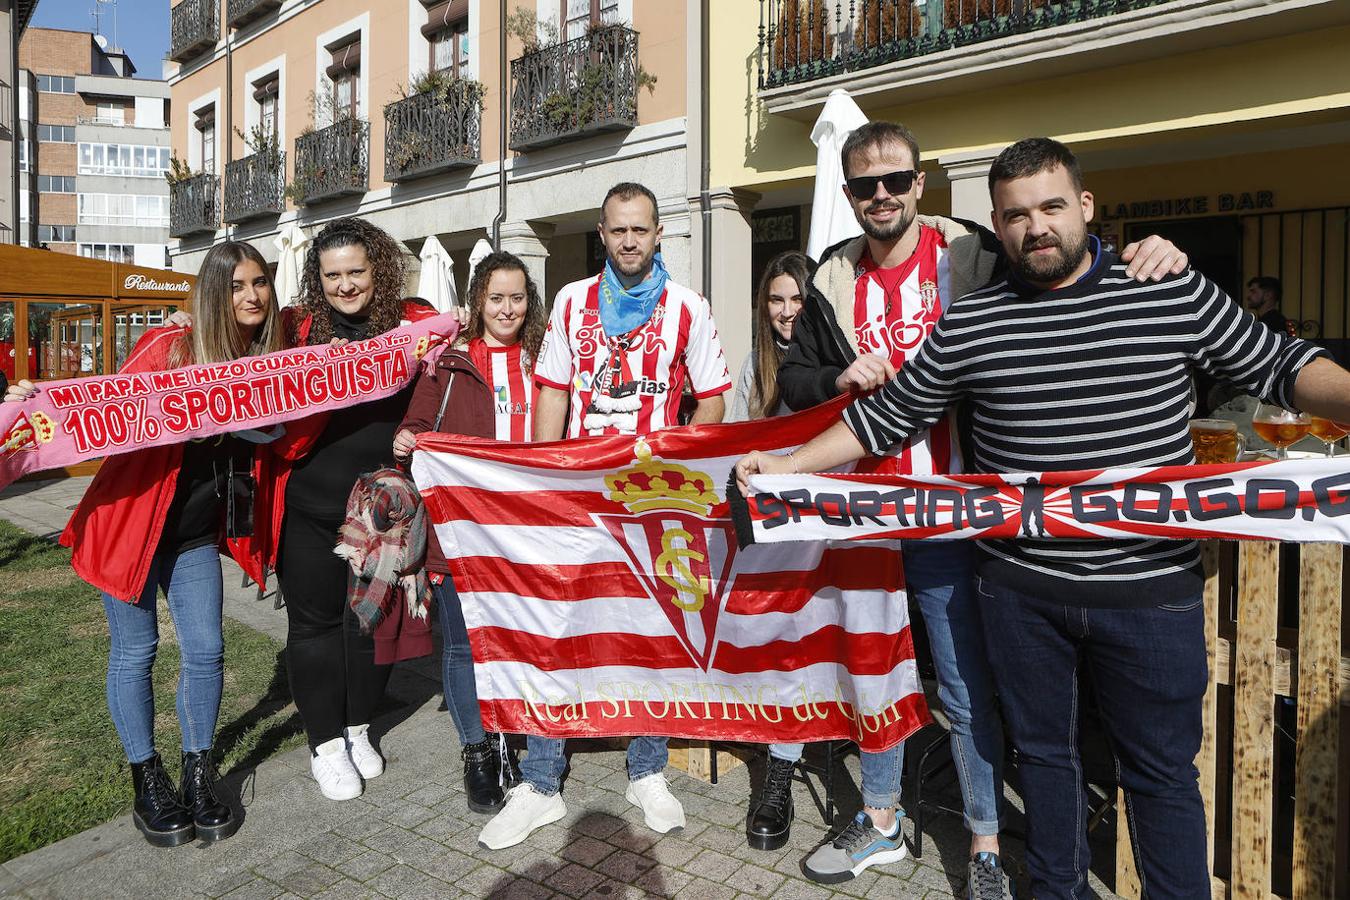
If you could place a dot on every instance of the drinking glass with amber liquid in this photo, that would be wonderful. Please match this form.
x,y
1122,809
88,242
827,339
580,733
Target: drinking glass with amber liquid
x,y
1215,440
1281,427
1329,432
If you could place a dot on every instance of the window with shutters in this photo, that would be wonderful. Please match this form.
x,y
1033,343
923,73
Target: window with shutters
x,y
447,34
579,15
206,136
266,93
344,72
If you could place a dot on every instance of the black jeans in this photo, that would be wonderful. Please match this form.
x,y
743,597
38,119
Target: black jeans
x,y
333,675
1149,673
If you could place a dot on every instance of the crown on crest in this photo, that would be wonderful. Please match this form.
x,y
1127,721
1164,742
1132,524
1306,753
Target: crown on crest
x,y
656,484
44,429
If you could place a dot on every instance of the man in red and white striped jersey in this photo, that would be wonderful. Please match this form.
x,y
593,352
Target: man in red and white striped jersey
x,y
619,350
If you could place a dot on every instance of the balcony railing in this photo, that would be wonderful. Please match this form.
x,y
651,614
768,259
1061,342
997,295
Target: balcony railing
x,y
194,205
433,132
194,28
332,162
585,85
802,40
255,186
241,12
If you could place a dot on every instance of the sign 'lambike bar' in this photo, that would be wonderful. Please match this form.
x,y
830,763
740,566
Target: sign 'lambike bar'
x,y
1297,500
75,420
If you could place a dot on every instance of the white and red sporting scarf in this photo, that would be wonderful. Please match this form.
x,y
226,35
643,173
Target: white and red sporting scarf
x,y
1298,500
894,311
512,392
604,594
678,344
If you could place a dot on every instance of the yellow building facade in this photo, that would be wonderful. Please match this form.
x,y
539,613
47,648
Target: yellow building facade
x,y
1224,126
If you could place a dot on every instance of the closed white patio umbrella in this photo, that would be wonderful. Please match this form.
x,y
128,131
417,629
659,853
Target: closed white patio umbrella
x,y
832,219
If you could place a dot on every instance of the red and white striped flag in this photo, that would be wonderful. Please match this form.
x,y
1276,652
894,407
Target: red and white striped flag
x,y
605,595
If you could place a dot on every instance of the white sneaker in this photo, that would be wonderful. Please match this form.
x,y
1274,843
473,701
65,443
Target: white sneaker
x,y
660,809
333,770
366,758
526,809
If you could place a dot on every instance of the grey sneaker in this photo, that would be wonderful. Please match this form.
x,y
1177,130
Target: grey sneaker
x,y
858,847
987,880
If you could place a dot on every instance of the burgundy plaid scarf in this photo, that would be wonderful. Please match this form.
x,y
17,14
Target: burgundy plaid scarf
x,y
384,538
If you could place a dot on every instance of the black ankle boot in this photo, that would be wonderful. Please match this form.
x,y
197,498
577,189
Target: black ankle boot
x,y
158,812
482,777
770,821
214,819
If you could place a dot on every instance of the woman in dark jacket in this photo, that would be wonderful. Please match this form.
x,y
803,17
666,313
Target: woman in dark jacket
x,y
483,390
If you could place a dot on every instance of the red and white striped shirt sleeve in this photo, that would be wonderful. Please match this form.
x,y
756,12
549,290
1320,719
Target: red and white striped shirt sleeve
x,y
708,373
554,367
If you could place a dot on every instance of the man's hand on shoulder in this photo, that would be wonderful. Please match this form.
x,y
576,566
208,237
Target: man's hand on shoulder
x,y
1153,258
867,372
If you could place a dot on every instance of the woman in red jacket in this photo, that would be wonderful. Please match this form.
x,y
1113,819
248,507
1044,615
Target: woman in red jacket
x,y
483,388
351,289
153,520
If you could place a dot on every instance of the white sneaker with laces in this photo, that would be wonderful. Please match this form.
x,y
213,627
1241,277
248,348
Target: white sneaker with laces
x,y
526,809
365,757
660,809
332,768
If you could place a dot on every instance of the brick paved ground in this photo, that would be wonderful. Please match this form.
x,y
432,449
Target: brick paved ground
x,y
411,834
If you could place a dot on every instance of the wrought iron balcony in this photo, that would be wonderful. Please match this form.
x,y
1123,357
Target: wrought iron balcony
x,y
803,40
194,27
194,205
255,186
241,12
332,162
586,85
433,132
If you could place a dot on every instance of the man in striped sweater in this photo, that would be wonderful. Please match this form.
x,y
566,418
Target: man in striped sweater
x,y
1069,363
870,305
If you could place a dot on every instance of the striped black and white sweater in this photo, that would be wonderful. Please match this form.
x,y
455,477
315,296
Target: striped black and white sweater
x,y
1094,375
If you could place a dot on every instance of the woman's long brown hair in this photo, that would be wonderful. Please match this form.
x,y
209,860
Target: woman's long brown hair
x,y
764,391
215,334
536,320
387,272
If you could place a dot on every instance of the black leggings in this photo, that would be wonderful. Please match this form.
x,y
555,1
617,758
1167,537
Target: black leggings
x,y
334,679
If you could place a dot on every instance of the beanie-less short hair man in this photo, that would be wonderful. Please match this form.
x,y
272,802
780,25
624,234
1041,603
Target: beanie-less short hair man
x,y
871,304
1130,611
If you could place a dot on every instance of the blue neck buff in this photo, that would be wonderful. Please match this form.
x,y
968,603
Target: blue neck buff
x,y
624,309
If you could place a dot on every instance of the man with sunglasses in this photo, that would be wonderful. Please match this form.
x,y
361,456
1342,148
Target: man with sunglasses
x,y
872,302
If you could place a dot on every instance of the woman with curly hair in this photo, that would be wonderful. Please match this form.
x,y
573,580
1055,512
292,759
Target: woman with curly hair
x,y
481,388
351,289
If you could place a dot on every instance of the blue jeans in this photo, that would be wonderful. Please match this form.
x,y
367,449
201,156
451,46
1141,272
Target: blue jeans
x,y
1149,672
544,761
192,583
940,574
461,693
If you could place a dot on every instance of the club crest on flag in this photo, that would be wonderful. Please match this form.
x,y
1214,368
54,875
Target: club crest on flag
x,y
28,433
680,554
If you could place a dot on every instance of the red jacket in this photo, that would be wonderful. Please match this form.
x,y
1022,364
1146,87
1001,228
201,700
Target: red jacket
x,y
286,451
116,528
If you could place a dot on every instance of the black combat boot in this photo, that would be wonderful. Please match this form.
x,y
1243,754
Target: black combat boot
x,y
770,821
482,776
158,812
214,819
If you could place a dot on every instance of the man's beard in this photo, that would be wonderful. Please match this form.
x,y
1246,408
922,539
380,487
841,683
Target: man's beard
x,y
887,231
638,268
1057,266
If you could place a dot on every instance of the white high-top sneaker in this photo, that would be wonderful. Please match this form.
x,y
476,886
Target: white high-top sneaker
x,y
526,809
365,757
661,811
333,770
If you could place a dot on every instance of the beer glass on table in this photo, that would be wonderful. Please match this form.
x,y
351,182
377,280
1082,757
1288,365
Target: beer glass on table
x,y
1215,440
1329,432
1281,427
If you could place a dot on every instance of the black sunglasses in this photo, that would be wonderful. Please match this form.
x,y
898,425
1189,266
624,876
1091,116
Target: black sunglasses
x,y
864,187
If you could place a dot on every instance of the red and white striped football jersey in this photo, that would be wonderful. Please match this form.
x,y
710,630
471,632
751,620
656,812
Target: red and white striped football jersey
x,y
678,343
512,393
894,311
